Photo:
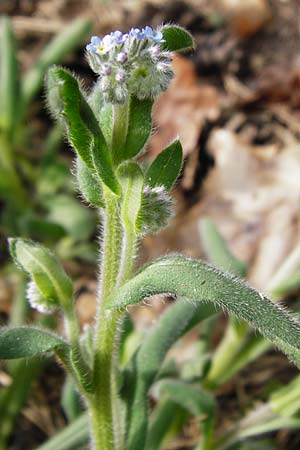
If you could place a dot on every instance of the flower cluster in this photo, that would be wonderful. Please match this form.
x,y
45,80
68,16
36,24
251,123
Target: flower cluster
x,y
130,63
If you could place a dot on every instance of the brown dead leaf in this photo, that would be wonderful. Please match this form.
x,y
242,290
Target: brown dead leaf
x,y
183,108
256,190
246,17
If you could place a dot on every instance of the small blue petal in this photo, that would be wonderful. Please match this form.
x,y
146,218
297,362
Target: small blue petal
x,y
117,36
158,37
95,40
90,48
148,32
136,32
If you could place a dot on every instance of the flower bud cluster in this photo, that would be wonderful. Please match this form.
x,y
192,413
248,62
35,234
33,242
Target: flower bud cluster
x,y
132,63
38,301
156,210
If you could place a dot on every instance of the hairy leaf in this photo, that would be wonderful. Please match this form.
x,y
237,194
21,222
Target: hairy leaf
x,y
138,129
25,342
88,184
176,38
189,278
67,102
41,265
165,169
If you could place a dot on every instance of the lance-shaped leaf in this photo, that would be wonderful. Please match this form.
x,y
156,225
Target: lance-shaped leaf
x,y
68,103
192,279
139,126
131,179
8,75
165,421
73,436
176,38
165,169
143,369
126,127
51,284
25,342
88,184
194,399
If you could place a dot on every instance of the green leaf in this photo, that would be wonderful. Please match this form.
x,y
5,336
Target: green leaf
x,y
192,279
166,167
49,277
265,426
194,399
14,396
176,38
165,422
72,437
8,76
249,350
285,401
67,102
104,116
25,342
131,179
40,228
255,445
70,400
88,184
62,44
138,130
139,376
217,249
78,220
236,332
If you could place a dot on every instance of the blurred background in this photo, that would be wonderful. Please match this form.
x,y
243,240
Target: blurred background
x,y
235,104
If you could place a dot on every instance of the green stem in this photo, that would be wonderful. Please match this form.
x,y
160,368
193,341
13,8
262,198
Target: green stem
x,y
75,363
117,262
101,405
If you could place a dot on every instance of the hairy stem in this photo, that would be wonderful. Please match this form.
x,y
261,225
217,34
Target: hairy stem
x,y
116,268
101,405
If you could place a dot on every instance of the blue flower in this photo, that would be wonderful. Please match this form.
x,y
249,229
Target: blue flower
x,y
131,63
155,36
136,32
117,36
100,46
92,46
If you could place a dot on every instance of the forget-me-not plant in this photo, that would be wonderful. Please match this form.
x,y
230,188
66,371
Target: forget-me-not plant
x,y
108,128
